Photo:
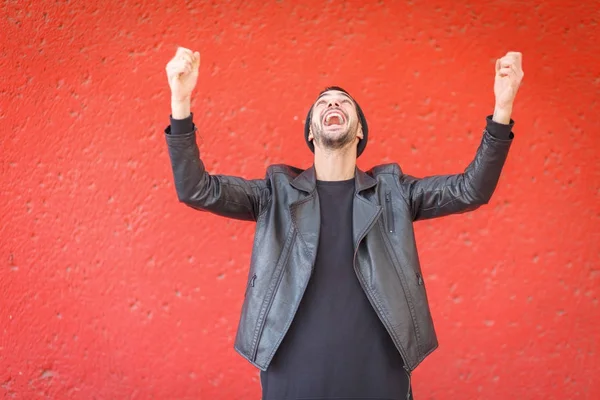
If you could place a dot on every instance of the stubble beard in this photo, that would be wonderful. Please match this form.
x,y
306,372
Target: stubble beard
x,y
331,143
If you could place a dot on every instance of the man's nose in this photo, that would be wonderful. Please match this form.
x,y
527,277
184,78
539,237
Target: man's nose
x,y
333,103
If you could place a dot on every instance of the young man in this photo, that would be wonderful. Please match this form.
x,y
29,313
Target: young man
x,y
335,306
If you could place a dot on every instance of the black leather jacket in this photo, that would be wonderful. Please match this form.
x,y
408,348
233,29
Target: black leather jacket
x,y
285,207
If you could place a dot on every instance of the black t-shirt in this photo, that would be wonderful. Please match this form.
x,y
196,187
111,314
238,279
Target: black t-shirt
x,y
336,348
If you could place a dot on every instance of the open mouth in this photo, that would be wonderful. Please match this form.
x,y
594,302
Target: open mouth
x,y
334,118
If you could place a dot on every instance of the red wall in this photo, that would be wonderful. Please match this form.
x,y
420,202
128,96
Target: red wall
x,y
111,289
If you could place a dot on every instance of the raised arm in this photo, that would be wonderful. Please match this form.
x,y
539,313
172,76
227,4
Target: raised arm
x,y
441,195
228,196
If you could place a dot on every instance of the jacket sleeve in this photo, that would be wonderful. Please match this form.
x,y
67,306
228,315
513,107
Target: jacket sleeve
x,y
223,195
441,195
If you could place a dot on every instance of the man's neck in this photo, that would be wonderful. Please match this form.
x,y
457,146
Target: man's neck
x,y
335,165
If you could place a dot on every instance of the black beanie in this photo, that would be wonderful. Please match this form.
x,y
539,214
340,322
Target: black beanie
x,y
362,143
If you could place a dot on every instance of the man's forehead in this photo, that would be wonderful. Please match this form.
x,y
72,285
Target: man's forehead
x,y
334,92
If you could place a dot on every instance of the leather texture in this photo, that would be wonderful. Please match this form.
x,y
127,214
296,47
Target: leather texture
x,y
285,207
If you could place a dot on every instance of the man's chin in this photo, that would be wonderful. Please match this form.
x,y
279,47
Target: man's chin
x,y
335,140
335,132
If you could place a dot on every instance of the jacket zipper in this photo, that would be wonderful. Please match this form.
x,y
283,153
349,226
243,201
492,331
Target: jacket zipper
x,y
389,211
251,284
392,256
408,375
368,294
264,319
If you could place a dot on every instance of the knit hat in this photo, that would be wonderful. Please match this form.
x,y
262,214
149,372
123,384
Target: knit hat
x,y
362,143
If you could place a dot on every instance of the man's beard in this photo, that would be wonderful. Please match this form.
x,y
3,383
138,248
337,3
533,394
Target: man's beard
x,y
331,143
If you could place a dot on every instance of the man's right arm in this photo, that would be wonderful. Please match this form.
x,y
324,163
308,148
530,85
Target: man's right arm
x,y
228,196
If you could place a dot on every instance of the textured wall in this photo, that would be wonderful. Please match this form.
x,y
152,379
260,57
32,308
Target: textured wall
x,y
110,289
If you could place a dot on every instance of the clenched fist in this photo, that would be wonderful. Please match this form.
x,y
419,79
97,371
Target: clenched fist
x,y
509,74
182,73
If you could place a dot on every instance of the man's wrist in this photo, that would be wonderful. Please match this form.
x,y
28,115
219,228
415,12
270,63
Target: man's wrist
x,y
502,115
180,108
500,124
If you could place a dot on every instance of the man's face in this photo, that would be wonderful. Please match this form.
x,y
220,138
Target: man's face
x,y
334,121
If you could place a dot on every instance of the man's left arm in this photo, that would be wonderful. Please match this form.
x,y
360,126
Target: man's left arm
x,y
441,195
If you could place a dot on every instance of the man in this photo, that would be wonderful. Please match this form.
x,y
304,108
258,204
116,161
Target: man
x,y
335,306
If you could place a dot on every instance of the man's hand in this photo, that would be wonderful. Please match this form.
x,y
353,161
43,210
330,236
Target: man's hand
x,y
182,74
509,74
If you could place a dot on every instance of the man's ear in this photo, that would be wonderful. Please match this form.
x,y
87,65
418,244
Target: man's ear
x,y
310,134
359,132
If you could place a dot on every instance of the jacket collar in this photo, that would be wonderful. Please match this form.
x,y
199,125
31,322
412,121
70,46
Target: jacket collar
x,y
307,180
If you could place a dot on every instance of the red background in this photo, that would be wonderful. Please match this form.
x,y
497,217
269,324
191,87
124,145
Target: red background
x,y
111,289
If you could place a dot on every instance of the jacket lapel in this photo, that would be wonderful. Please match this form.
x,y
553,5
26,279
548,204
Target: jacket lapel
x,y
364,212
305,212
